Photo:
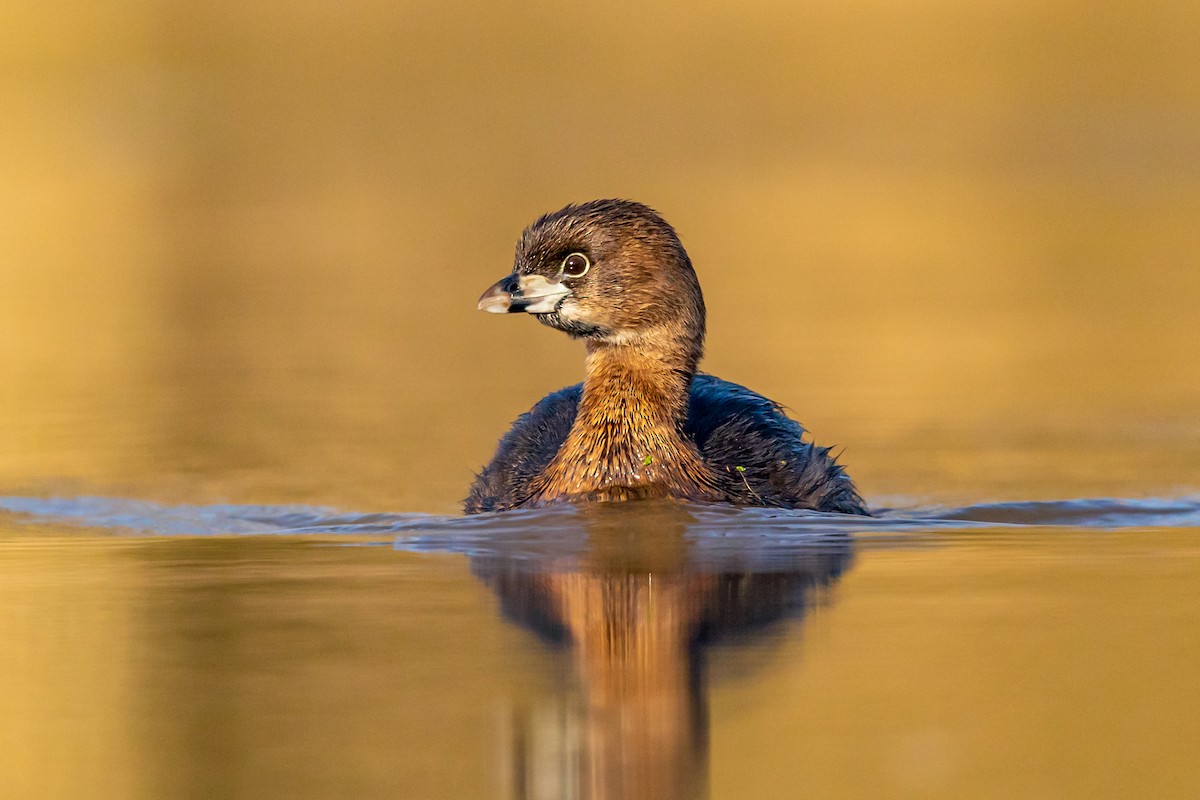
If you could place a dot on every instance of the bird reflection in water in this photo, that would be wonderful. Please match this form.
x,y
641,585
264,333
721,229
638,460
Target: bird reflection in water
x,y
636,592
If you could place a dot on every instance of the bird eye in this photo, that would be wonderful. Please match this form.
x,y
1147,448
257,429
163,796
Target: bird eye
x,y
575,265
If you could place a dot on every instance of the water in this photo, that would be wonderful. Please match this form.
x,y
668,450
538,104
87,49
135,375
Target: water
x,y
243,388
644,650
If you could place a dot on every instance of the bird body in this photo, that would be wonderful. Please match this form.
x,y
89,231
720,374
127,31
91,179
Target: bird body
x,y
643,423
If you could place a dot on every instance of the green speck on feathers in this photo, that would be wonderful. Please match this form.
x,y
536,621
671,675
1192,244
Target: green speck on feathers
x,y
647,461
740,469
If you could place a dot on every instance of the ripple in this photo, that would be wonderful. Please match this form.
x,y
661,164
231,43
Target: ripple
x,y
555,529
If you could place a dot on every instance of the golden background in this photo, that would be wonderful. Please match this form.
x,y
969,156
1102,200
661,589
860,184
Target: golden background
x,y
241,243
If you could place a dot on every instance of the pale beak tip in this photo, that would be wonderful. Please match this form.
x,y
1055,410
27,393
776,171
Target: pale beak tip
x,y
495,301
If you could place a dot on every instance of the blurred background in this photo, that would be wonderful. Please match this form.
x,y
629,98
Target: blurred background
x,y
241,243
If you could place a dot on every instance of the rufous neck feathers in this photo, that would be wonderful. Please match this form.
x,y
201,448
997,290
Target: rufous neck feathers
x,y
627,439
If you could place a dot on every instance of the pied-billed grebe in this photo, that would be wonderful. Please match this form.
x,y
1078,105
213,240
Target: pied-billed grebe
x,y
643,423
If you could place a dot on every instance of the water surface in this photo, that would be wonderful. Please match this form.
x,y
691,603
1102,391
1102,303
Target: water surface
x,y
640,650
